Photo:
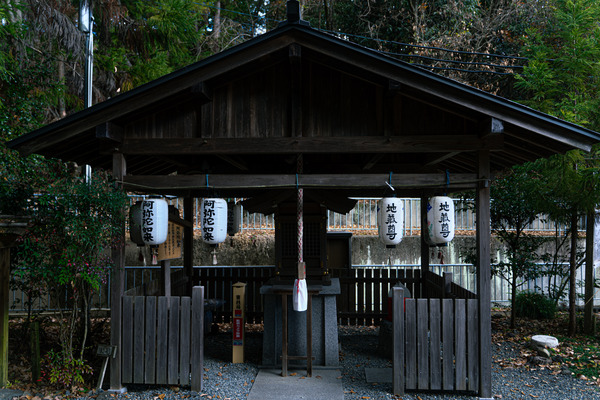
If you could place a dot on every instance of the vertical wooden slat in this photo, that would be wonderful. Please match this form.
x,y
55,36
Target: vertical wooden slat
x,y
411,343
473,344
418,277
398,377
139,314
360,306
150,359
162,340
447,345
377,298
422,344
220,293
173,347
435,344
197,342
368,285
127,337
385,288
460,340
184,341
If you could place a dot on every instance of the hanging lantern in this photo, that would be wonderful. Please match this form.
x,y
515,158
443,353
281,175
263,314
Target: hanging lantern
x,y
440,220
155,221
234,212
390,220
135,224
214,220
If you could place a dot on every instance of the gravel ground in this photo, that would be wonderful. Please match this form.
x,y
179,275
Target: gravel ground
x,y
224,380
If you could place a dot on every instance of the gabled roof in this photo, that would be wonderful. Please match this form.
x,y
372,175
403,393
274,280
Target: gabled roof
x,y
346,108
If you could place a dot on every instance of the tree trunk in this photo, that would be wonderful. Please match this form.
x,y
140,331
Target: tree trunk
x,y
217,27
61,78
572,277
513,301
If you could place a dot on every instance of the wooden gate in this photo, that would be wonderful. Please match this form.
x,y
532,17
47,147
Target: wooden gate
x,y
436,345
163,339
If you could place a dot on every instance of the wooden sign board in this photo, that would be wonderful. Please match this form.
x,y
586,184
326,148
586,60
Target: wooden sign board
x,y
171,248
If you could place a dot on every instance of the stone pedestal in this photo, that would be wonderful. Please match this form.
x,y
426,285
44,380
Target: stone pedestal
x,y
324,328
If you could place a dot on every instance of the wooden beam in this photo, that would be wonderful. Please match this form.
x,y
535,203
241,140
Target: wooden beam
x,y
165,277
371,163
338,181
492,126
110,131
315,145
441,158
188,242
424,249
483,237
117,287
230,160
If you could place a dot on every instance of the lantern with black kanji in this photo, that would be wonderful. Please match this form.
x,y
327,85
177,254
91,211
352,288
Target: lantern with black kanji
x,y
155,221
440,220
214,220
390,220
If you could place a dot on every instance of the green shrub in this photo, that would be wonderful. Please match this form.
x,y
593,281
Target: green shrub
x,y
63,371
534,305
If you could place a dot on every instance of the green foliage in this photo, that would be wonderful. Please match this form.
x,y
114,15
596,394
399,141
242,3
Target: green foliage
x,y
534,305
63,371
563,76
512,210
66,249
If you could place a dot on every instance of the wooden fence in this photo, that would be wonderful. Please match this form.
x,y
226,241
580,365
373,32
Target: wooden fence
x,y
363,299
163,339
435,345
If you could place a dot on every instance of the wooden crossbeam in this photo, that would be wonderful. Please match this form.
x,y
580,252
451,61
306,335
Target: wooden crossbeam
x,y
294,145
273,181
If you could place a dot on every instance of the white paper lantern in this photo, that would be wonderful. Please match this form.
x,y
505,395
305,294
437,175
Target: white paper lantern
x,y
155,221
234,212
214,220
135,224
390,220
440,220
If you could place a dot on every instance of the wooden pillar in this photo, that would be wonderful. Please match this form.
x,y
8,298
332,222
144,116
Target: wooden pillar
x,y
188,243
165,271
4,279
484,274
592,257
424,250
117,288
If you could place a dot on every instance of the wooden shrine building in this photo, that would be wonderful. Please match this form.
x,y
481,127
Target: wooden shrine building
x,y
235,124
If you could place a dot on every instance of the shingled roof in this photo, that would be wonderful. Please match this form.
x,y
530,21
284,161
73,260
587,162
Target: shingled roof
x,y
251,109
